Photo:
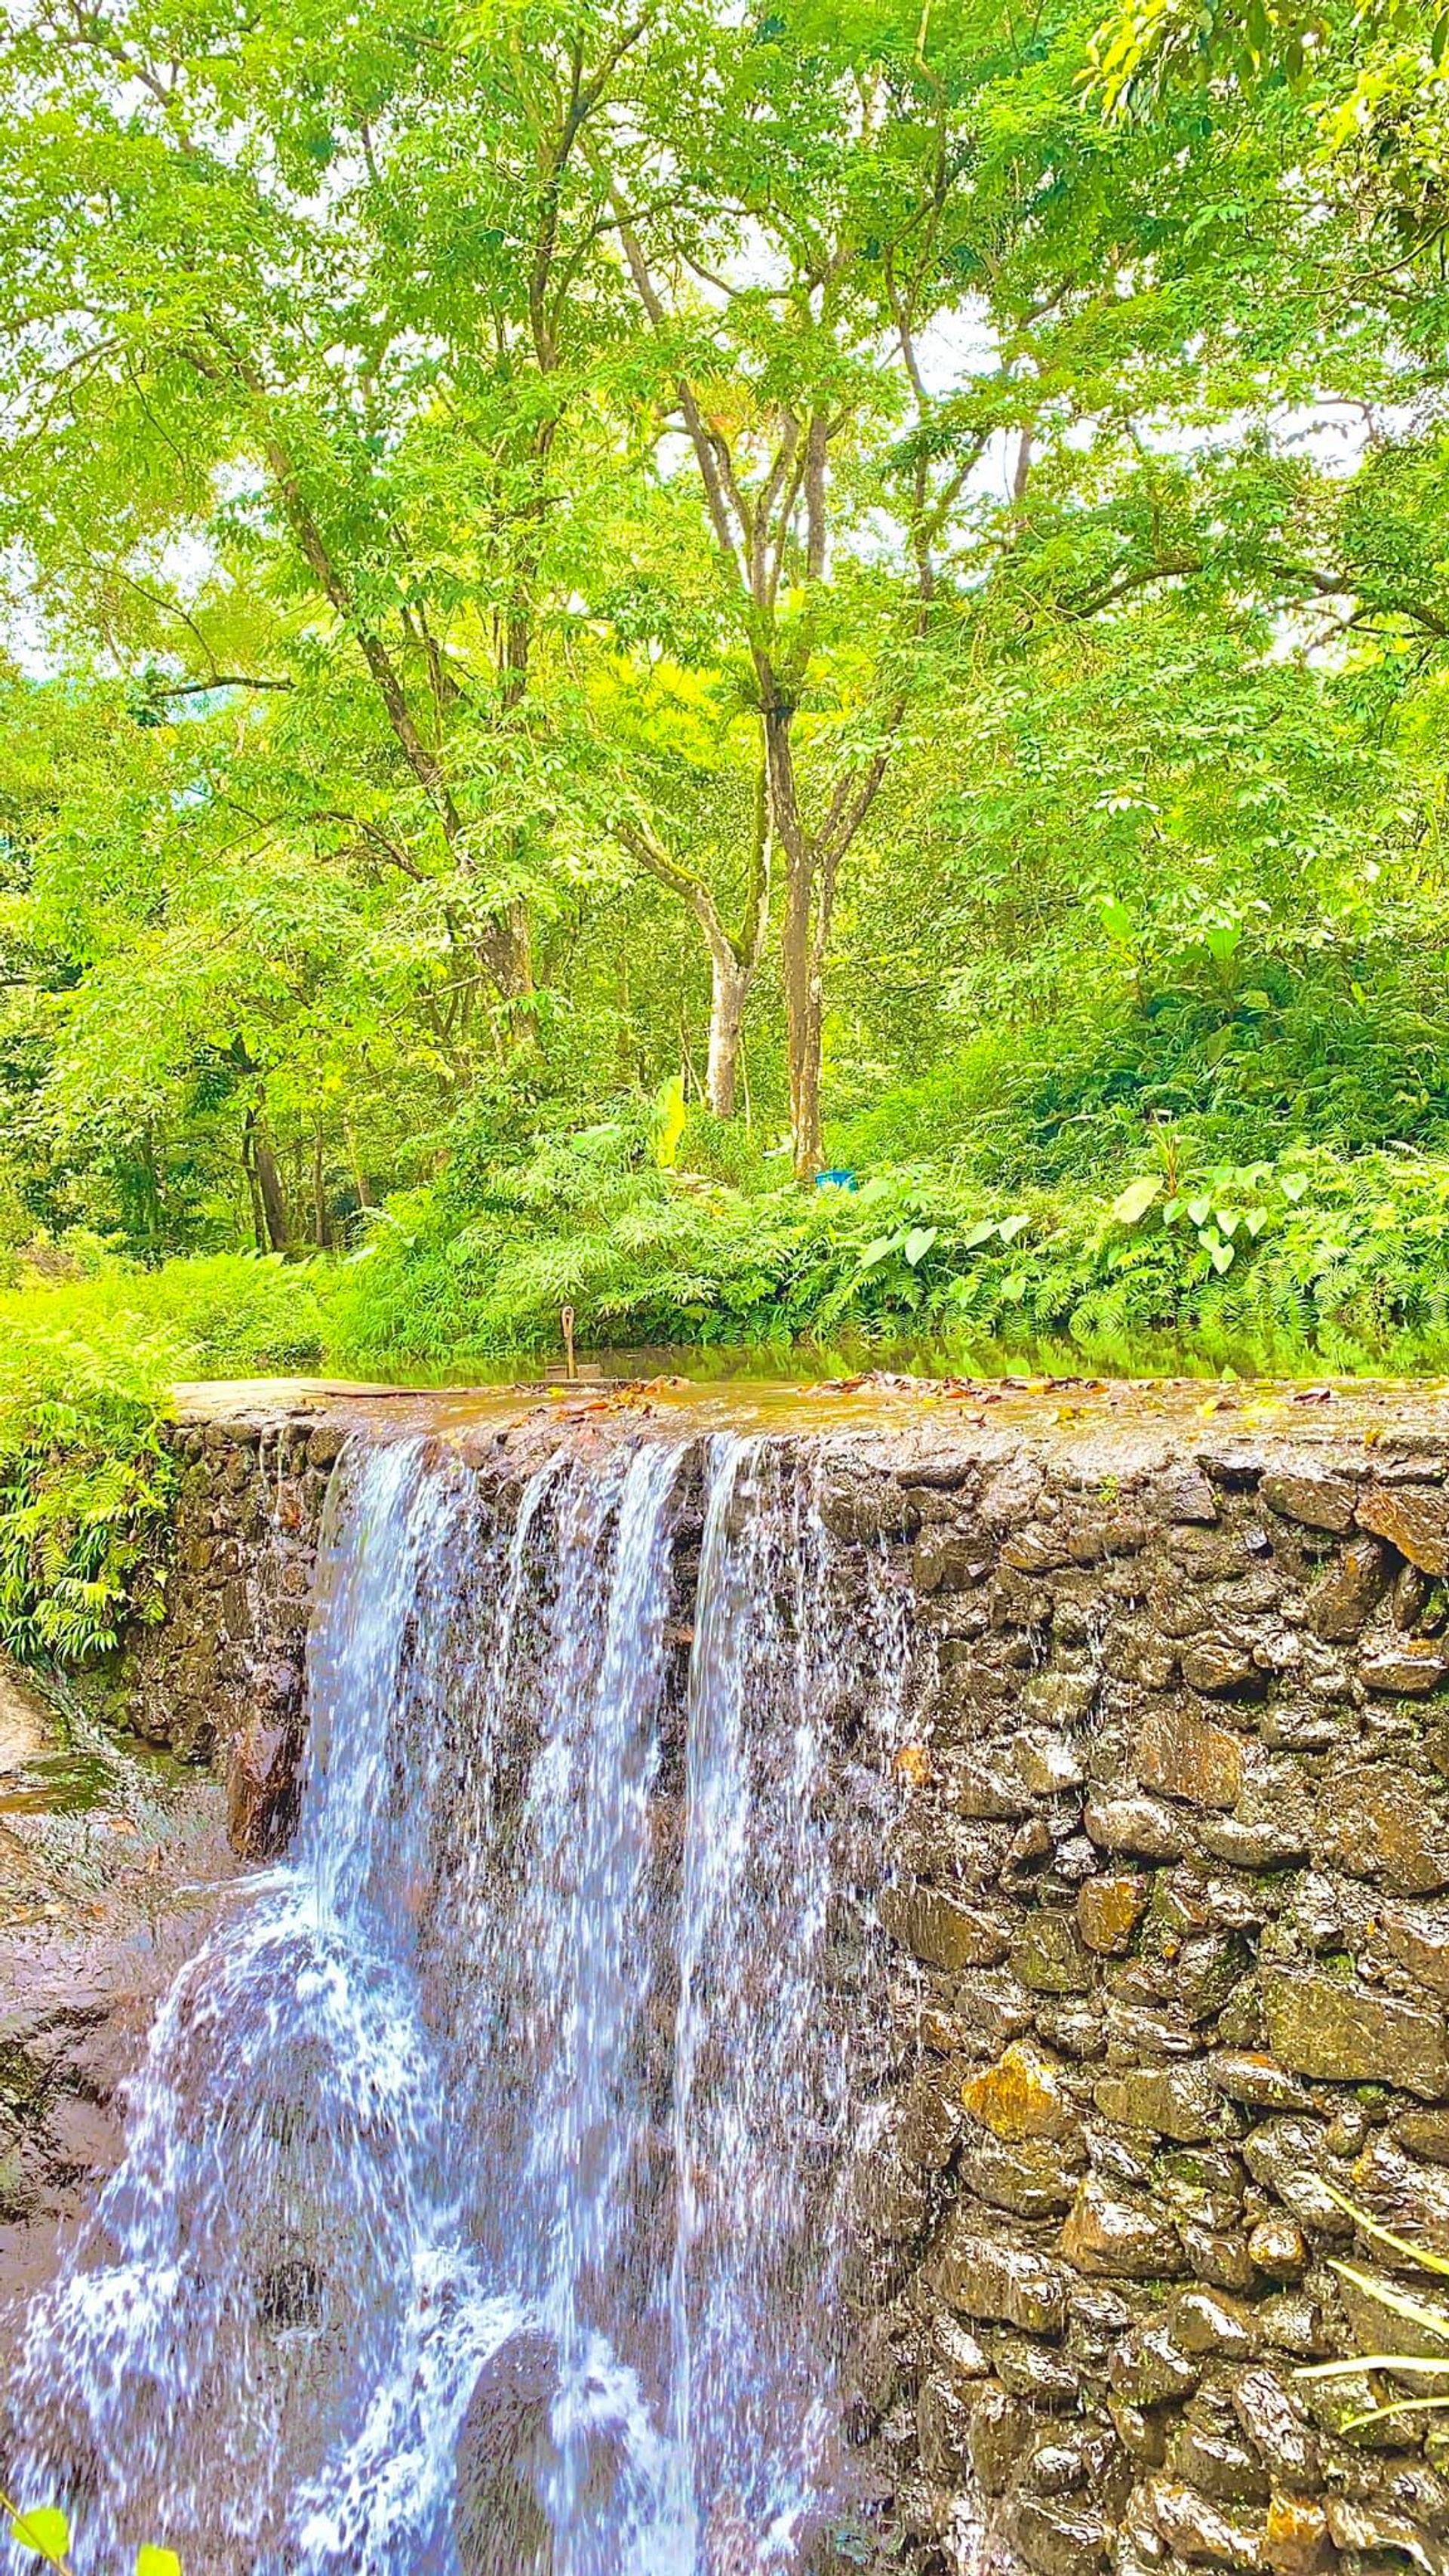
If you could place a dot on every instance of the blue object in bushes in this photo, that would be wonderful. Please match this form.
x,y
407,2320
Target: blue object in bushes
x,y
836,1180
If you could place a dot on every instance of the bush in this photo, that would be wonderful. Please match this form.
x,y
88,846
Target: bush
x,y
86,1484
86,1489
227,1314
1310,1258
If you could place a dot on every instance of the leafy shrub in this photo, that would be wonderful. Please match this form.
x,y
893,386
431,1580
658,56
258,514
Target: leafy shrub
x,y
1309,1257
85,1490
86,1484
225,1314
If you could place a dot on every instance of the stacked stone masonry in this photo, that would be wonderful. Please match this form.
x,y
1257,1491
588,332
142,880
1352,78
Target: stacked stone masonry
x,y
1169,1906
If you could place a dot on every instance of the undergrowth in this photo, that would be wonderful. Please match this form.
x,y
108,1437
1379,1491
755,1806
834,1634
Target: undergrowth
x,y
86,1483
1307,1257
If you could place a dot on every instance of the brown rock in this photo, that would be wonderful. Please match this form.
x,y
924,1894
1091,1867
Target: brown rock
x,y
1420,1944
1204,2534
1175,2102
943,2427
1050,1959
1000,2429
1221,1667
1218,2463
1319,1502
1256,1842
1059,1699
1150,2369
1351,2034
1217,2256
944,1562
1021,2096
1274,2423
941,1932
1139,1825
1405,1667
928,2125
1344,1598
1295,2536
1362,2524
1032,2180
1379,1822
1247,2075
991,2011
980,1788
1111,2238
1425,2134
1109,1910
1189,1757
1058,2538
1004,2284
263,1789
1277,2246
1038,1549
1414,1519
1047,1764
1188,1498
1205,2322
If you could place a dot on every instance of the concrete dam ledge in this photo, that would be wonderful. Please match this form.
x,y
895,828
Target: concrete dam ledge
x,y
1169,1899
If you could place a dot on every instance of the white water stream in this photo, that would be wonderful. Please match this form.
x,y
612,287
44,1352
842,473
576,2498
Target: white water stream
x,y
483,2204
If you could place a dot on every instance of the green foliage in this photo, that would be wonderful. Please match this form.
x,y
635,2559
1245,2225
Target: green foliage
x,y
219,1315
44,2531
1305,1257
902,556
86,1484
85,1488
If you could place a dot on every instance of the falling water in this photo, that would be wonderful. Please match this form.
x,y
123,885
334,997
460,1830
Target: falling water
x,y
484,2209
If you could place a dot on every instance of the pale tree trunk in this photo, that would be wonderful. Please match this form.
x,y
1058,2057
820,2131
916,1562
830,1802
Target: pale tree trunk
x,y
733,961
802,949
729,989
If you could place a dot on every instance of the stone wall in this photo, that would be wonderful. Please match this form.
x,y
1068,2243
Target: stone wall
x,y
1171,1905
221,1679
1172,1874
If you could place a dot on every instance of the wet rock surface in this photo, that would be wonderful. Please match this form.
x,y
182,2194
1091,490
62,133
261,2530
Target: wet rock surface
x,y
105,1855
1212,2004
1170,1922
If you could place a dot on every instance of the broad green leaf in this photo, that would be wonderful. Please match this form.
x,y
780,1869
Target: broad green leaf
x,y
1136,1199
1011,1226
672,1115
1294,1186
1199,1210
982,1232
918,1243
43,2529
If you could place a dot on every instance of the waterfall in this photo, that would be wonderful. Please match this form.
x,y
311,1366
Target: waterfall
x,y
485,2201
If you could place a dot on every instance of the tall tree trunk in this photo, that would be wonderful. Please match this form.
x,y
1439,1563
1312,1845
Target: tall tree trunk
x,y
319,1190
803,1018
802,949
359,1176
729,988
268,1192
